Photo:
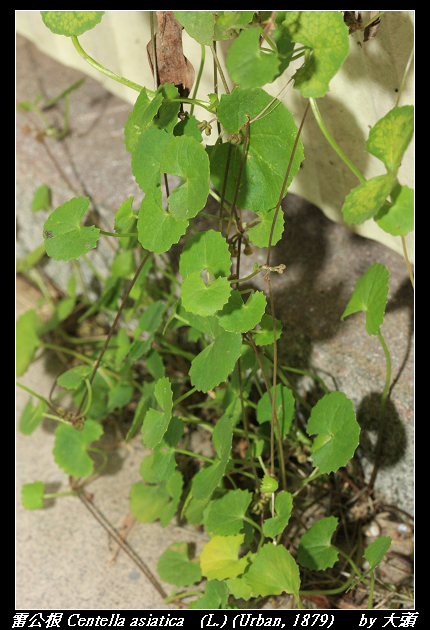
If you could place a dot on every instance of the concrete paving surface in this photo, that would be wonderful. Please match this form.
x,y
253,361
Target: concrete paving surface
x,y
62,552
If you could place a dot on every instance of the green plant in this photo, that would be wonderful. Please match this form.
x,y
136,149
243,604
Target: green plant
x,y
245,503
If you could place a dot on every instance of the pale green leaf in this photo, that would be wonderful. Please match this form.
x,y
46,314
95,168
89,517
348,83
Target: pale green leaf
x,y
204,299
364,201
327,35
71,22
390,136
70,448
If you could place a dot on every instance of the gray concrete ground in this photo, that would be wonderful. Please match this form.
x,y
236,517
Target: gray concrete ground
x,y
62,552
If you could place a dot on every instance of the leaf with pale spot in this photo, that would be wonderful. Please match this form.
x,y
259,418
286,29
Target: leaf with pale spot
x,y
71,22
327,35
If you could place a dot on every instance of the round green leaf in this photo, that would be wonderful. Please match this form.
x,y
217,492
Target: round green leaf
x,y
156,422
216,361
247,64
186,158
273,572
204,299
205,250
157,229
315,549
240,316
71,22
147,502
283,506
333,419
147,155
174,566
32,495
225,515
198,24
391,135
364,201
327,34
260,233
398,219
70,448
270,145
65,237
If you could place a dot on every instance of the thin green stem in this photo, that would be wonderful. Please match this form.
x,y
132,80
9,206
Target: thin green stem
x,y
188,393
44,400
218,65
118,235
199,76
112,328
109,73
375,17
372,588
333,142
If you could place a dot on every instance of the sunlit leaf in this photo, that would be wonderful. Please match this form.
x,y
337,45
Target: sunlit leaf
x,y
71,22
70,448
364,201
32,495
219,558
327,35
271,142
390,136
